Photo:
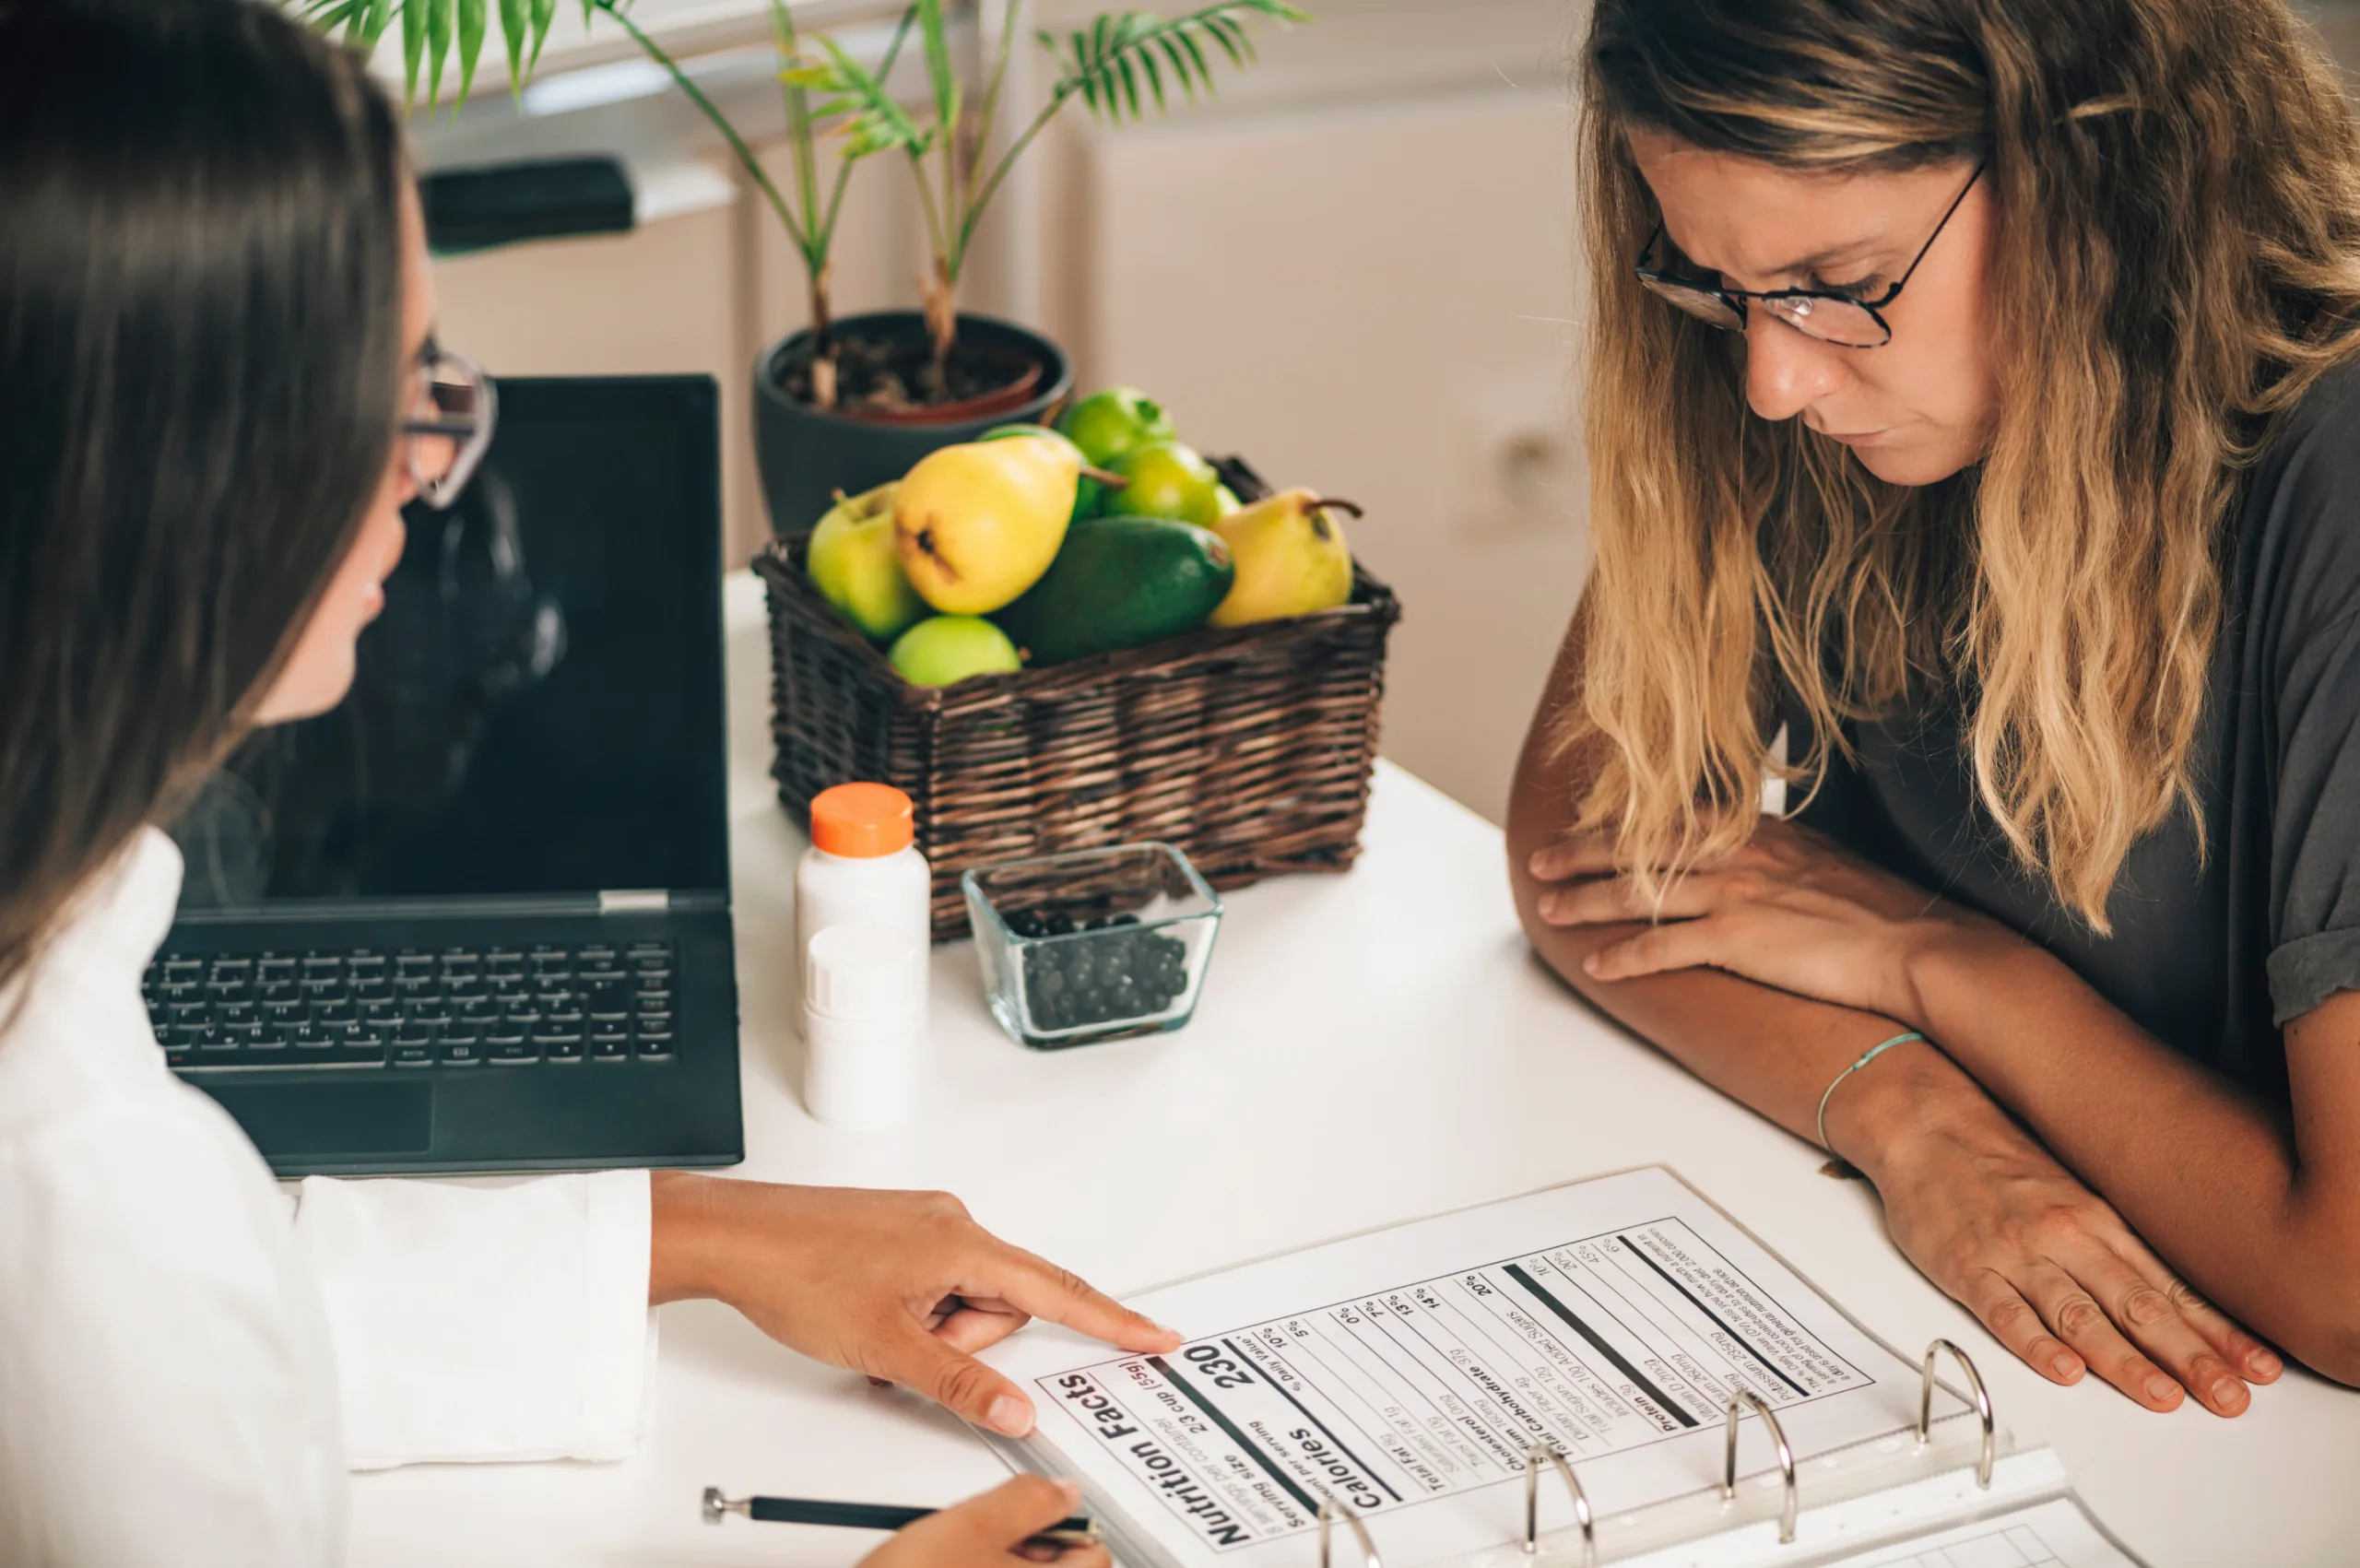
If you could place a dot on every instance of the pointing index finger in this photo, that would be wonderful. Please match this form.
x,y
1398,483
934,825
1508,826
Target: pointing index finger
x,y
1036,1286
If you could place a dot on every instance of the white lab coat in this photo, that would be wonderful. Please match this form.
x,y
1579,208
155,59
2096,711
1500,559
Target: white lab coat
x,y
188,1364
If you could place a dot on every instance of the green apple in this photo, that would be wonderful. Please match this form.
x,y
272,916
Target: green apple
x,y
946,649
1168,480
1107,424
1228,500
852,559
1087,494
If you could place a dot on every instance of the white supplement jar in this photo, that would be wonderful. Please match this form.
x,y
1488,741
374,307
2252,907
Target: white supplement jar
x,y
863,866
864,1024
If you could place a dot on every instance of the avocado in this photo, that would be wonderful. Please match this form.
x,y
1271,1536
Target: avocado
x,y
1117,582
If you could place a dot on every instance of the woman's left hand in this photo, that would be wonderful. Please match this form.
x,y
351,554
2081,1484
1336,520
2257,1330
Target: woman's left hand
x,y
902,1286
1790,910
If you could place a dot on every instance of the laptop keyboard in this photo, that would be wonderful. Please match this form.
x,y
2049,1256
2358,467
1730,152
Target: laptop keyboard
x,y
412,1011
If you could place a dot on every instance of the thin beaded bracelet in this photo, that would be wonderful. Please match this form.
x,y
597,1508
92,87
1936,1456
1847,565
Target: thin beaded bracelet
x,y
1871,1055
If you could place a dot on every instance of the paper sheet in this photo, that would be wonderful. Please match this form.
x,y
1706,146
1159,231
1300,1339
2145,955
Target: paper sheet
x,y
1407,1371
2055,1534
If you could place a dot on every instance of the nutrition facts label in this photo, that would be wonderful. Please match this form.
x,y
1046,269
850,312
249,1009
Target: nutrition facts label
x,y
1419,1391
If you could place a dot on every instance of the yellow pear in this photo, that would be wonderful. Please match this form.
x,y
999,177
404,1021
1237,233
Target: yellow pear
x,y
1291,555
977,525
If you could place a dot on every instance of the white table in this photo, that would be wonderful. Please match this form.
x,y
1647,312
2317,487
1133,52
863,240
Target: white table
x,y
1369,1048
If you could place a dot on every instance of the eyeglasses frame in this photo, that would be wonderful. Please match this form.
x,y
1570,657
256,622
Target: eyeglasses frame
x,y
471,436
1735,299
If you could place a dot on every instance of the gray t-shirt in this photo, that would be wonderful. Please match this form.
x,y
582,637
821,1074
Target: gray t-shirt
x,y
2211,955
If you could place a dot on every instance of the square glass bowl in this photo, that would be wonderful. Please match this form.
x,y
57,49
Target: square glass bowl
x,y
1099,944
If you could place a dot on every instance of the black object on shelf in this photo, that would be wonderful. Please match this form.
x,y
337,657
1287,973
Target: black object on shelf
x,y
473,210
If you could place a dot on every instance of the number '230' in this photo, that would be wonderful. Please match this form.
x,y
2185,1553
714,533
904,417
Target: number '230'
x,y
1225,1373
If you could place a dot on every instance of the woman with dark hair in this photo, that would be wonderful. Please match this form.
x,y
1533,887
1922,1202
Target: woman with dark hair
x,y
216,374
1976,438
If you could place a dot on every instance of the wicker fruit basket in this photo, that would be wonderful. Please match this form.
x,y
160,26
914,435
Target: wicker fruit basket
x,y
1250,748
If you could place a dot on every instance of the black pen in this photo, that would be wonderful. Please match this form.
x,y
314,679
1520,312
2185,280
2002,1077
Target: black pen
x,y
1078,1530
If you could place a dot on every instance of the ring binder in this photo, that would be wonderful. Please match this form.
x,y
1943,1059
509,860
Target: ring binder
x,y
1982,1407
1736,1410
1543,1454
1329,1510
1886,1471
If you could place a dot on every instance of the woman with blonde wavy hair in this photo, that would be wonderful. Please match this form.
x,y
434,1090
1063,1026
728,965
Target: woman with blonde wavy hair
x,y
1975,443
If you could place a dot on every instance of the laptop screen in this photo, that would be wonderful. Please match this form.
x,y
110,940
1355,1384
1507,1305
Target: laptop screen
x,y
540,710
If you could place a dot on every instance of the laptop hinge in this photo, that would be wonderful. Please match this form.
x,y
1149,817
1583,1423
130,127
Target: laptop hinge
x,y
633,901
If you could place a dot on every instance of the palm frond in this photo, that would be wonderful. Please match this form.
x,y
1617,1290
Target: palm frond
x,y
544,19
872,120
1188,62
414,18
942,71
1104,64
439,16
515,33
444,37
475,19
329,15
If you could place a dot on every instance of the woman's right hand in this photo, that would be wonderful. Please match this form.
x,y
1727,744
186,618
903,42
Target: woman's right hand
x,y
2051,1269
902,1286
994,1531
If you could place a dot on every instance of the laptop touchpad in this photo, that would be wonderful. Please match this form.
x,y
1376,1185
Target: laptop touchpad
x,y
345,1119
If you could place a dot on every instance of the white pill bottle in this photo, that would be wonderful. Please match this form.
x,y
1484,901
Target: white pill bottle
x,y
864,1024
862,867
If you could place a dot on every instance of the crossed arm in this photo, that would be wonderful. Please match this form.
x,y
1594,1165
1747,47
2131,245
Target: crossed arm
x,y
2039,1156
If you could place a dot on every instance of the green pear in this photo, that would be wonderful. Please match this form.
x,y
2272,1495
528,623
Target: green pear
x,y
943,650
854,562
1291,559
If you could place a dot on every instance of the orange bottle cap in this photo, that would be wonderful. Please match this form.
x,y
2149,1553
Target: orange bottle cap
x,y
862,820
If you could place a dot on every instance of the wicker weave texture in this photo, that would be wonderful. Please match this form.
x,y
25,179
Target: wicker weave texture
x,y
1248,748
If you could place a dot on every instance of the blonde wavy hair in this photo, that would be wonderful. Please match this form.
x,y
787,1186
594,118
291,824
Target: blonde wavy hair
x,y
2177,190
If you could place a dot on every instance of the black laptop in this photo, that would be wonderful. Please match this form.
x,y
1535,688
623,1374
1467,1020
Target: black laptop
x,y
478,917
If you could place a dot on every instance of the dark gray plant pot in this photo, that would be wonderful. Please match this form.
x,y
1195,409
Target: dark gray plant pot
x,y
806,455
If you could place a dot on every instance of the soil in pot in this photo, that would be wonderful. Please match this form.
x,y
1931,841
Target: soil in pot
x,y
887,380
806,455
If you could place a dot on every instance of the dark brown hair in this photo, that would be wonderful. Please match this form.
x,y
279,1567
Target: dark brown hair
x,y
200,367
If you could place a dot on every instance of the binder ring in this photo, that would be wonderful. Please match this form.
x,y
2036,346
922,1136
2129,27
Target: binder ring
x,y
1737,1404
1982,1407
1329,1510
1542,1453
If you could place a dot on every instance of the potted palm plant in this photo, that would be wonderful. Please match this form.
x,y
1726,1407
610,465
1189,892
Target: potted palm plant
x,y
848,403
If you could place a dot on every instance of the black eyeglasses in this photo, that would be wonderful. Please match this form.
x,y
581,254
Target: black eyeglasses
x,y
1824,313
452,414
